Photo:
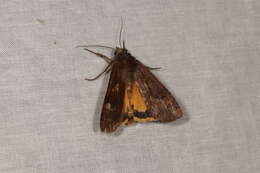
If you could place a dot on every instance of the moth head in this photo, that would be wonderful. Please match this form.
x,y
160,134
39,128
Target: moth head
x,y
119,50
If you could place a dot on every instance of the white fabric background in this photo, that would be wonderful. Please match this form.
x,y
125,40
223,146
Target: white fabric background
x,y
49,115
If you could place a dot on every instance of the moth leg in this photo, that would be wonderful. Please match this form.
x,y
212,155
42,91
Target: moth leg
x,y
108,70
153,68
100,74
100,55
96,45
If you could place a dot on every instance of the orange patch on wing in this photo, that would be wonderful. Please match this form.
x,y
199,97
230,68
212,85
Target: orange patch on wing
x,y
133,100
143,120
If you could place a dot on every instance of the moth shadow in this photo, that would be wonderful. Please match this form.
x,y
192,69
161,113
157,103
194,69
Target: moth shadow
x,y
118,131
99,103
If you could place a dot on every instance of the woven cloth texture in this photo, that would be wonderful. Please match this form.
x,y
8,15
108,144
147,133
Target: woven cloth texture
x,y
209,51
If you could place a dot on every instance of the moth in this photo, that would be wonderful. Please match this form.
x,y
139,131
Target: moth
x,y
134,94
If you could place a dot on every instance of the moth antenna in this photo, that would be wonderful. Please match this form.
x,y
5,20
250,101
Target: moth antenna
x,y
100,74
124,41
123,44
120,34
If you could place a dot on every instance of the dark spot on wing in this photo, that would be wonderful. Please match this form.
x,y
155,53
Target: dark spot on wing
x,y
141,114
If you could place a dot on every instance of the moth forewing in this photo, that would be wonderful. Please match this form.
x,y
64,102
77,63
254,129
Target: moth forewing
x,y
134,94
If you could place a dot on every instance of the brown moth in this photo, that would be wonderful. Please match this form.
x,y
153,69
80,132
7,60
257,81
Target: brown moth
x,y
134,94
